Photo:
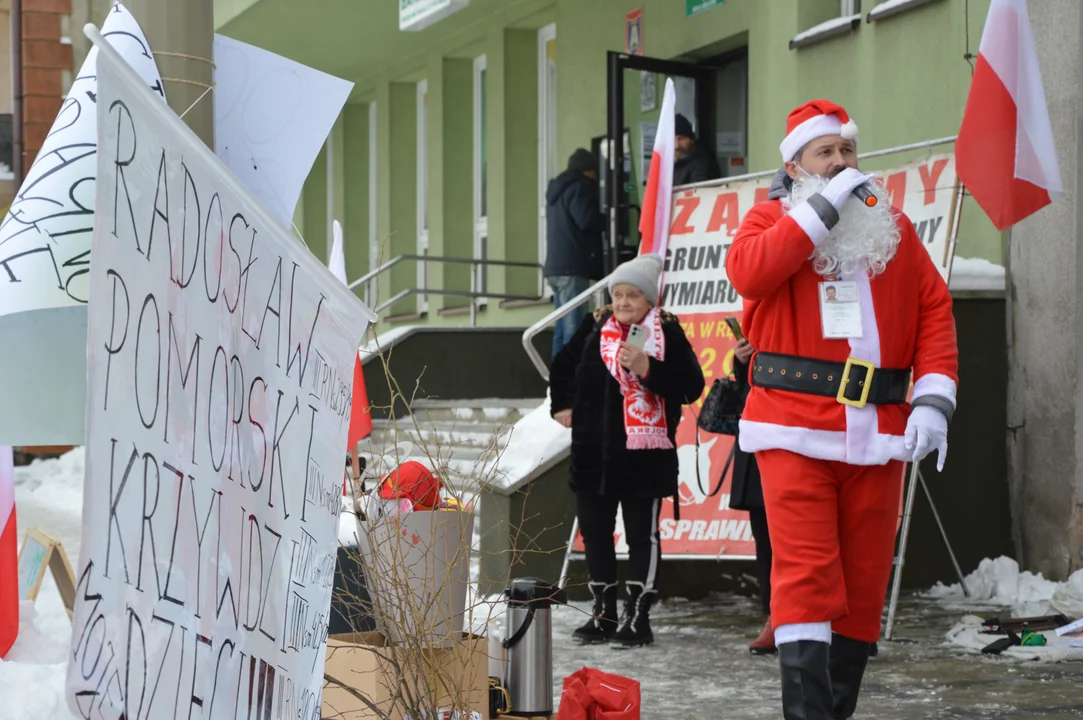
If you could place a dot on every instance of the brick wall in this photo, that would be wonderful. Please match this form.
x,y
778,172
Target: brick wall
x,y
45,59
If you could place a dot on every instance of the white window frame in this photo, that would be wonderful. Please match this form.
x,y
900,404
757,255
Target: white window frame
x,y
374,238
545,143
422,195
481,221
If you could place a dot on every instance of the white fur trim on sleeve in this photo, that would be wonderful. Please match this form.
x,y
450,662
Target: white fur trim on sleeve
x,y
936,384
818,632
806,216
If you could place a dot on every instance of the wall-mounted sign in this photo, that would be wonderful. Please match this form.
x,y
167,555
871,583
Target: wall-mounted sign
x,y
417,15
633,32
695,7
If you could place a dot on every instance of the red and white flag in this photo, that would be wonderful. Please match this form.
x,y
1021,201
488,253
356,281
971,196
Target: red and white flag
x,y
658,199
9,555
1004,153
360,416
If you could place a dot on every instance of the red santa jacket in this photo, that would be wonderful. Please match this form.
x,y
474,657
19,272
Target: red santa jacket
x,y
907,322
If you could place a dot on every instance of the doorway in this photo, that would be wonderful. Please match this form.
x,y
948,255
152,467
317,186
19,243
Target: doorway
x,y
730,111
635,88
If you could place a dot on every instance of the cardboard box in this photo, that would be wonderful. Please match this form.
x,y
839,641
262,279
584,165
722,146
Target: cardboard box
x,y
417,567
399,679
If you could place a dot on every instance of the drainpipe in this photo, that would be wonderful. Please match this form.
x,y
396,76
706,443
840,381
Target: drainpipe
x,y
16,19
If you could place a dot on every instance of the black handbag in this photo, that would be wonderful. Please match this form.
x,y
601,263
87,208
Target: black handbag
x,y
722,408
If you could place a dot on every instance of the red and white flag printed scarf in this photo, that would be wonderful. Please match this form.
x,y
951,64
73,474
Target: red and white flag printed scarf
x,y
644,411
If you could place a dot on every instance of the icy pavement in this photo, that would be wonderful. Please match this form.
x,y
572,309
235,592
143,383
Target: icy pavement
x,y
700,667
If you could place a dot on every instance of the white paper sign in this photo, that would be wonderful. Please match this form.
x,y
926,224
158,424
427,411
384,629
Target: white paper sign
x,y
271,117
45,237
220,365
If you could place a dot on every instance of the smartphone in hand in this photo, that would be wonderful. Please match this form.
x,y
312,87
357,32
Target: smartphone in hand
x,y
637,337
735,328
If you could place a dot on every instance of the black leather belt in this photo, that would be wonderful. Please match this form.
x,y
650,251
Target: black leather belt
x,y
855,382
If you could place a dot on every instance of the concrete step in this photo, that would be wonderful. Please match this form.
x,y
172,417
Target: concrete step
x,y
465,436
498,412
452,431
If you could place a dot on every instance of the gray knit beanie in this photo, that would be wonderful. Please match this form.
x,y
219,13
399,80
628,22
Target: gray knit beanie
x,y
641,273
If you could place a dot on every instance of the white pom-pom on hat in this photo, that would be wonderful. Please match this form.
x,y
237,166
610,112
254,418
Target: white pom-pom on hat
x,y
849,130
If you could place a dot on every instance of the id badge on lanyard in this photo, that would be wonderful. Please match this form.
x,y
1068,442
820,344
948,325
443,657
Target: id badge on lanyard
x,y
840,309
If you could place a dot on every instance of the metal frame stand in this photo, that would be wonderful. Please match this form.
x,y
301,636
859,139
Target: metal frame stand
x,y
915,477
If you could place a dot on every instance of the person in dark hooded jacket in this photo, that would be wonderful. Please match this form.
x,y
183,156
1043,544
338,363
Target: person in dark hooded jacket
x,y
695,163
574,250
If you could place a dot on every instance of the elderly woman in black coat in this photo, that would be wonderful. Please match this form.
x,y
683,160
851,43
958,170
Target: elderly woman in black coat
x,y
622,398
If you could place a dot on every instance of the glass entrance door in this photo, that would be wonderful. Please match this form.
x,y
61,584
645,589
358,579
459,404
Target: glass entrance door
x,y
636,86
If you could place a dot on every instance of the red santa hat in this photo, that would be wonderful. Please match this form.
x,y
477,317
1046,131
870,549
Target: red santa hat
x,y
814,119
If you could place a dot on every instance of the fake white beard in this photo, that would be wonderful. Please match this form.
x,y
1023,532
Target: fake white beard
x,y
864,240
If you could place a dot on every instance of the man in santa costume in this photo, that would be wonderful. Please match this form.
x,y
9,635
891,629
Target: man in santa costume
x,y
827,415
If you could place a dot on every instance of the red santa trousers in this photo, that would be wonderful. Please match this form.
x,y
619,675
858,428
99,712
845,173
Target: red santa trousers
x,y
833,536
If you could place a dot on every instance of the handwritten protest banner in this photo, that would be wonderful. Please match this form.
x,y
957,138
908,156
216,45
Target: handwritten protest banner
x,y
220,364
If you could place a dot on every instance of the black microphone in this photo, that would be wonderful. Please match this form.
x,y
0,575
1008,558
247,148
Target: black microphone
x,y
862,193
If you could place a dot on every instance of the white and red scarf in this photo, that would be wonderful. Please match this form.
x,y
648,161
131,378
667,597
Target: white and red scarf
x,y
644,411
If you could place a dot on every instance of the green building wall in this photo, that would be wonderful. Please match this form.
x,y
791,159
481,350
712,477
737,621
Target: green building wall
x,y
904,79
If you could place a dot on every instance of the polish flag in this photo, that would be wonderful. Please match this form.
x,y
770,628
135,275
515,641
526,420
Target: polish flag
x,y
1004,153
360,417
658,199
9,555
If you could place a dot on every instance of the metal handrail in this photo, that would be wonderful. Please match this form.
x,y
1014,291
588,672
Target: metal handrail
x,y
434,258
532,331
473,293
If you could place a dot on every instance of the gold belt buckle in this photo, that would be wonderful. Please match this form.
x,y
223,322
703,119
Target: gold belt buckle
x,y
870,368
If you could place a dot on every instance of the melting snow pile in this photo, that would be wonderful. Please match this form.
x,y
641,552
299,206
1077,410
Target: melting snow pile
x,y
49,496
536,443
1023,594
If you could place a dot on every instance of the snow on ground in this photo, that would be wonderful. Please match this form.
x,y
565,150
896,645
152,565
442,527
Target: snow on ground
x,y
999,582
699,663
48,496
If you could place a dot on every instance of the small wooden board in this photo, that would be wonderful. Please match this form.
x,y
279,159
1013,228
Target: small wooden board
x,y
41,552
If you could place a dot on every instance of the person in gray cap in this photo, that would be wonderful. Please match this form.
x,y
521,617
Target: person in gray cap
x,y
574,225
620,384
695,163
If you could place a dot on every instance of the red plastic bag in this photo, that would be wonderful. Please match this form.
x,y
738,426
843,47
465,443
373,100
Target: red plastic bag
x,y
591,694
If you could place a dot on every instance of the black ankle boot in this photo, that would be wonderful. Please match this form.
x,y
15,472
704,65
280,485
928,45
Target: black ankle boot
x,y
806,684
602,625
635,624
848,661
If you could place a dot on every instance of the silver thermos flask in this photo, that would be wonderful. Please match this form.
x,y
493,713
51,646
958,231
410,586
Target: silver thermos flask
x,y
528,646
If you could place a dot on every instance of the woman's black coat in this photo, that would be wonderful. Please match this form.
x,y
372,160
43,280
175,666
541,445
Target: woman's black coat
x,y
746,491
579,380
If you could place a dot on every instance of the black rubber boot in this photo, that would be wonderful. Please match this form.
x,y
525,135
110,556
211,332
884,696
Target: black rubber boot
x,y
806,683
602,625
848,661
635,624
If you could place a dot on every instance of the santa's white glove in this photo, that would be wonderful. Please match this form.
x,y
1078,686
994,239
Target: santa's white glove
x,y
927,430
841,187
